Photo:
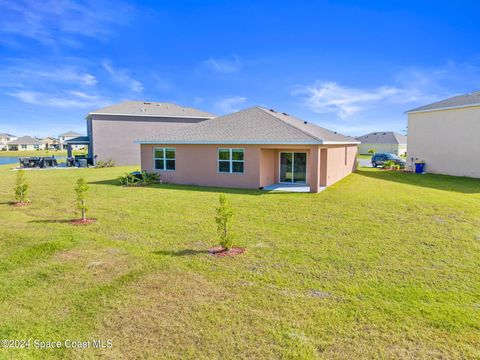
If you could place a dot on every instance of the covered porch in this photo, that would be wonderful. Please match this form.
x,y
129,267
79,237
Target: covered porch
x,y
295,168
78,141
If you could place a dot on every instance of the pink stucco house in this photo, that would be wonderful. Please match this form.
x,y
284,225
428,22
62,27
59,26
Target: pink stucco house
x,y
253,148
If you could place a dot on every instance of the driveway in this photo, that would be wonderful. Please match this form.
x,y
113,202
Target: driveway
x,y
365,162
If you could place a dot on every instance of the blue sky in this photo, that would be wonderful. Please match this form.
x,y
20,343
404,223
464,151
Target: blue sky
x,y
350,66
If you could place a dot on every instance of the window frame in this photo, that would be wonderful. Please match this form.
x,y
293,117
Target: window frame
x,y
230,161
164,158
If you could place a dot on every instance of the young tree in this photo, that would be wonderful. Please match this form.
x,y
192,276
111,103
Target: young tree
x,y
223,219
372,151
21,187
81,190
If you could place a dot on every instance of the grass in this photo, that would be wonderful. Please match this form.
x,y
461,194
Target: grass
x,y
29,153
380,265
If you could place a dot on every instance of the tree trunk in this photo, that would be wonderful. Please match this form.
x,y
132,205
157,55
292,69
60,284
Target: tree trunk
x,y
84,215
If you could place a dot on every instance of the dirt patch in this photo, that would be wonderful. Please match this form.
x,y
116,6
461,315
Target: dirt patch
x,y
20,204
220,251
82,222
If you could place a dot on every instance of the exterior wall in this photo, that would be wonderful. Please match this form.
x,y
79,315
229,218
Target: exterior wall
x,y
198,165
112,137
28,148
341,161
447,140
398,149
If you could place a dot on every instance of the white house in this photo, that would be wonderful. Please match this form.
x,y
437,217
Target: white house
x,y
25,143
4,139
67,136
445,135
383,141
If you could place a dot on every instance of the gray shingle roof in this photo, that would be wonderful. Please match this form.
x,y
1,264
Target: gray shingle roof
x,y
472,99
6,135
383,137
145,108
25,140
251,126
70,133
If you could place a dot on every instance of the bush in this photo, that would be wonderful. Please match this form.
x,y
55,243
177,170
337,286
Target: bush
x,y
223,219
21,187
372,151
105,164
138,178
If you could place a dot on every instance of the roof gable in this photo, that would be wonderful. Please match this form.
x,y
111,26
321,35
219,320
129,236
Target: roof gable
x,y
25,140
472,99
383,137
154,109
251,126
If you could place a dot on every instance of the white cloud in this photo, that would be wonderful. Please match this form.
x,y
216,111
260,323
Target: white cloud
x,y
64,100
230,104
123,77
55,22
324,97
224,65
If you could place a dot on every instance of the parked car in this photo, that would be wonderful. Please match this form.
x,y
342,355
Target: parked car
x,y
381,158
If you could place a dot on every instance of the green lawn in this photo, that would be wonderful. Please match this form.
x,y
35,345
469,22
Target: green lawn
x,y
39,153
380,265
360,156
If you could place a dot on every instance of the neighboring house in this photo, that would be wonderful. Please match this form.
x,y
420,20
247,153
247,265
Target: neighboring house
x,y
383,141
445,135
51,143
4,139
25,143
63,138
113,130
252,148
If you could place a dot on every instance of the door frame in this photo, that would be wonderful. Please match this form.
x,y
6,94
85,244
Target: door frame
x,y
293,158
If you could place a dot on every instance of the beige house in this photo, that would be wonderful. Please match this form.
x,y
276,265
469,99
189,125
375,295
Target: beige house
x,y
383,142
4,139
253,148
445,135
63,138
112,131
25,143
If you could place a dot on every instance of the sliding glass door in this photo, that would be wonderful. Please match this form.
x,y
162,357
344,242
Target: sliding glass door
x,y
293,167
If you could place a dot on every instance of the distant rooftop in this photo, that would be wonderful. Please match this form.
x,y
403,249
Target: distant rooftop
x,y
472,99
6,135
146,108
70,134
383,137
255,125
25,140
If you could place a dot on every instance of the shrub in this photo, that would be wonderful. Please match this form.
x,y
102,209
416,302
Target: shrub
x,y
21,187
372,151
81,189
105,164
223,219
389,164
138,178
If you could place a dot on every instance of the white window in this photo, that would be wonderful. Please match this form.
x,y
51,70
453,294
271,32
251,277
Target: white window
x,y
231,161
164,159
36,147
24,146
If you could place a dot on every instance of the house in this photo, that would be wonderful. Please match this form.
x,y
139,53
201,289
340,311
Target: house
x,y
112,130
383,141
51,143
4,139
445,135
62,138
25,143
253,148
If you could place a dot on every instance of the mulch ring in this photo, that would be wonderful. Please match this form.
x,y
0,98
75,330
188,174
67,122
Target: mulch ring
x,y
82,222
19,204
220,251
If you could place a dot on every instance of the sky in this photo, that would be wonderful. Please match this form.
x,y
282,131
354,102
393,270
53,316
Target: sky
x,y
350,66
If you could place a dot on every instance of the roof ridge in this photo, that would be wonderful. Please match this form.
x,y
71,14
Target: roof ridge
x,y
291,125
